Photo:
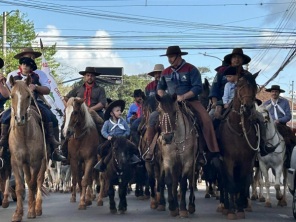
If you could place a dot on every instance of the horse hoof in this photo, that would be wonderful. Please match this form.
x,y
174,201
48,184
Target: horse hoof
x,y
153,204
82,207
160,208
16,218
72,200
262,199
174,213
5,204
207,196
183,213
282,203
191,209
219,209
38,212
113,211
268,204
88,202
240,215
231,216
31,215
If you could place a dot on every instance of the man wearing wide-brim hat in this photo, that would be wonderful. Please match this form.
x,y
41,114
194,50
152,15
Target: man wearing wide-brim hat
x,y
278,106
183,79
94,95
151,88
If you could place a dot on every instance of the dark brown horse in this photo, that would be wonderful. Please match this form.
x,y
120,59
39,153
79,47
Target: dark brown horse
x,y
5,174
27,148
83,136
178,148
239,144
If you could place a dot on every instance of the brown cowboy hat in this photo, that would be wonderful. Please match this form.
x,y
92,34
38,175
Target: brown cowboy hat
x,y
1,63
275,87
27,50
157,68
237,51
174,50
91,70
119,102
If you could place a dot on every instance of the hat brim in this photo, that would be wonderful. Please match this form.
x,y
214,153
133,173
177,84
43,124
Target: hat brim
x,y
153,73
269,90
120,103
84,72
1,63
182,53
246,58
20,55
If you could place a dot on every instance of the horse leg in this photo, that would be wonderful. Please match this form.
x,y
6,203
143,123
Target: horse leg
x,y
191,205
19,190
5,202
84,183
40,179
283,201
207,195
74,171
112,204
254,184
102,189
122,189
183,186
32,189
161,186
171,199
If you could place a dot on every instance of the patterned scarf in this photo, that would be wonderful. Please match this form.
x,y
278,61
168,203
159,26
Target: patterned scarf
x,y
139,110
87,93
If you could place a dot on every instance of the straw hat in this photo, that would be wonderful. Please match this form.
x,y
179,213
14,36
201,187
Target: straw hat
x,y
157,68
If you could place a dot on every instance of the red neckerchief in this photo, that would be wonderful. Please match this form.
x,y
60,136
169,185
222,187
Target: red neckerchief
x,y
87,93
139,110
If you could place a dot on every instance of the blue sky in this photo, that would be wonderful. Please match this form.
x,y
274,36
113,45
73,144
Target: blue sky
x,y
196,26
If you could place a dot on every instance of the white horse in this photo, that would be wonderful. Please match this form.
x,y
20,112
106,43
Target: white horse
x,y
273,160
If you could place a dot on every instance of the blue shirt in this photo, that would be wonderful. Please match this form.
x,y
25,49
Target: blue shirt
x,y
217,88
181,80
285,106
133,109
228,92
115,129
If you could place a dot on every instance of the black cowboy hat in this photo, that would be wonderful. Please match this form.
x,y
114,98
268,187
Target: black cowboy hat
x,y
237,51
223,64
275,87
230,71
174,50
27,50
29,62
138,93
91,70
1,63
119,102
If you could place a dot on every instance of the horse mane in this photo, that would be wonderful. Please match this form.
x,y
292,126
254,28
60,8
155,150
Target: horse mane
x,y
250,78
21,85
89,122
150,103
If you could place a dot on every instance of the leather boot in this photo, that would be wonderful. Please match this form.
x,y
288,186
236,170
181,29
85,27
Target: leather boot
x,y
150,150
262,142
49,135
4,135
57,155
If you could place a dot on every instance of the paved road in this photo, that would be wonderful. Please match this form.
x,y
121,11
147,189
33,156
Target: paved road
x,y
57,208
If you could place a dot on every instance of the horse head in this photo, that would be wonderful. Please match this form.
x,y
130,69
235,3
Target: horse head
x,y
246,89
21,97
167,109
77,116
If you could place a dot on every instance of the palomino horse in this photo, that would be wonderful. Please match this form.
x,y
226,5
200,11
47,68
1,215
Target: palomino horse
x,y
273,160
119,172
27,148
83,136
239,145
179,150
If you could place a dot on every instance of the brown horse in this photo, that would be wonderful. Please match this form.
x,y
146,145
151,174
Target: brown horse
x,y
5,174
239,145
83,141
27,148
179,150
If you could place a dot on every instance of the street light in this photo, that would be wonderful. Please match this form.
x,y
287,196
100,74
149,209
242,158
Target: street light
x,y
205,54
292,104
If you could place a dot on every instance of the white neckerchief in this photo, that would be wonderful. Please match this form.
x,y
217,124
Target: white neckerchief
x,y
117,124
276,105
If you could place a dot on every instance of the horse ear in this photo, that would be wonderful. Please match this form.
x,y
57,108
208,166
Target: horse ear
x,y
174,97
256,74
28,80
11,81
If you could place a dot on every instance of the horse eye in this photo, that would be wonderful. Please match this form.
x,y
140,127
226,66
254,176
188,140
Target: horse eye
x,y
75,112
11,96
28,97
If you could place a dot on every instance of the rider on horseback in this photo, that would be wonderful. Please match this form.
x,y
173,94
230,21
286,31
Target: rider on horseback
x,y
39,86
183,79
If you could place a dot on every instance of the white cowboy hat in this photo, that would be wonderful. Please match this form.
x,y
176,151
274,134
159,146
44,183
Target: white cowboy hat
x,y
157,68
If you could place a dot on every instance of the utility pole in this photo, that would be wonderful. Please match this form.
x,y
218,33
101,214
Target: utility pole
x,y
4,40
292,102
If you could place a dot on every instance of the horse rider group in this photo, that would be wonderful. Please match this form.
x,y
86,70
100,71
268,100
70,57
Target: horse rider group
x,y
180,77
